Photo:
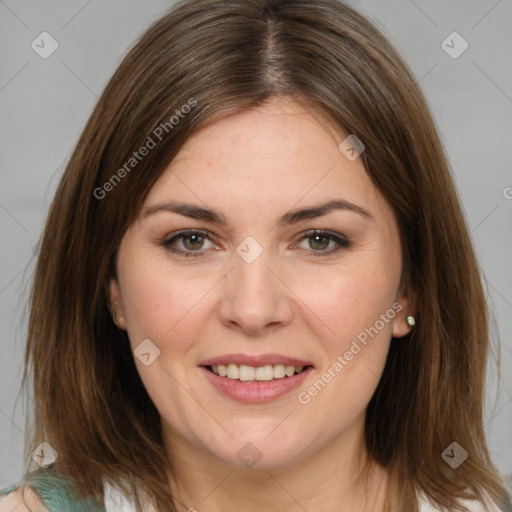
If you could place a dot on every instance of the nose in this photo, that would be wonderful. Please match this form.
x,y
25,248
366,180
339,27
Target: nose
x,y
255,297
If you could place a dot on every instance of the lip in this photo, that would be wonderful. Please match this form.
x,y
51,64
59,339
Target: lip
x,y
256,360
255,392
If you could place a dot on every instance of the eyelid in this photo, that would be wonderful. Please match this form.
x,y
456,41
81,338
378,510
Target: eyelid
x,y
341,240
169,239
338,238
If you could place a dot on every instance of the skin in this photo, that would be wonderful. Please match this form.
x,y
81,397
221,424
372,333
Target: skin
x,y
22,500
254,167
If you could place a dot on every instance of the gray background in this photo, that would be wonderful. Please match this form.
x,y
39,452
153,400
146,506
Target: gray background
x,y
44,104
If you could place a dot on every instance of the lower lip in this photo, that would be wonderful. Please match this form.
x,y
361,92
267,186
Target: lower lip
x,y
256,392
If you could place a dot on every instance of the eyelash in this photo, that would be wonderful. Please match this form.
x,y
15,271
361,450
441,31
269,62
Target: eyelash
x,y
342,242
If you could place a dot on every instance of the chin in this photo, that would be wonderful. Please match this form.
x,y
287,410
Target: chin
x,y
261,451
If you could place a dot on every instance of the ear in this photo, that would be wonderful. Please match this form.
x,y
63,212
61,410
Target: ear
x,y
406,301
116,304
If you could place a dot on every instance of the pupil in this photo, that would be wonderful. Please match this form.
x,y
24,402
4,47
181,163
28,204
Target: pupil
x,y
319,237
194,237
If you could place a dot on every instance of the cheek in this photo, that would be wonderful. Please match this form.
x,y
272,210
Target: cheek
x,y
351,300
357,318
164,306
160,301
357,315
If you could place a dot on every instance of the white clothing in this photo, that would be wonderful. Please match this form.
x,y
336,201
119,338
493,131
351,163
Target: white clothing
x,y
473,505
115,501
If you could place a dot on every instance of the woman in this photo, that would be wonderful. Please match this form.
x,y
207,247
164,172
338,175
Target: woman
x,y
256,289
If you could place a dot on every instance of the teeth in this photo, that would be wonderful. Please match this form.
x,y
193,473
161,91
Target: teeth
x,y
279,371
289,370
261,373
246,372
233,372
264,372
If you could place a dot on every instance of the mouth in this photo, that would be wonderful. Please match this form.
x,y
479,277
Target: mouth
x,y
255,384
264,373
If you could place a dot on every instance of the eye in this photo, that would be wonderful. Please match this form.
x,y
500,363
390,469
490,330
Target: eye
x,y
192,242
319,240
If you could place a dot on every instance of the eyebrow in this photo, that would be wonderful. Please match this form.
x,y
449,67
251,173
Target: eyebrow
x,y
292,217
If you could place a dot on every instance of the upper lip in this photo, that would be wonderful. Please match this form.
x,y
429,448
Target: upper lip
x,y
256,360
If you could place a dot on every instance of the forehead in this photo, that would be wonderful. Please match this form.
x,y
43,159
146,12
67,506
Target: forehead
x,y
274,157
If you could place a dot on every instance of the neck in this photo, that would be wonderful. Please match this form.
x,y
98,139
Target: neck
x,y
337,477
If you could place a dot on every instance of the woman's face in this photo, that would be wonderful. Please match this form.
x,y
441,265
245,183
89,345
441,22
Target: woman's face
x,y
252,286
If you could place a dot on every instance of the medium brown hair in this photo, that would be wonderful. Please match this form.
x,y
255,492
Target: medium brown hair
x,y
90,403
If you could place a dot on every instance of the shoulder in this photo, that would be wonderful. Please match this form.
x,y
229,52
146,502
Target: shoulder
x,y
22,500
44,491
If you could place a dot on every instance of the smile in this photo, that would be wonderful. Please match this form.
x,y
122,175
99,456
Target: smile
x,y
246,373
255,391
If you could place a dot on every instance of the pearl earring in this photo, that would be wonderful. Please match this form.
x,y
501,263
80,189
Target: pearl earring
x,y
410,321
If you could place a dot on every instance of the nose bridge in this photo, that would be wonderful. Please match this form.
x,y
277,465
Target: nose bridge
x,y
252,275
253,296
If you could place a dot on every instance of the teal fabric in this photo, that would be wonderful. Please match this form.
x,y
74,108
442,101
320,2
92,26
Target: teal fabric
x,y
56,493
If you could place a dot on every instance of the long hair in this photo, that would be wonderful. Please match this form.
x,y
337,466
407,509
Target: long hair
x,y
200,62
